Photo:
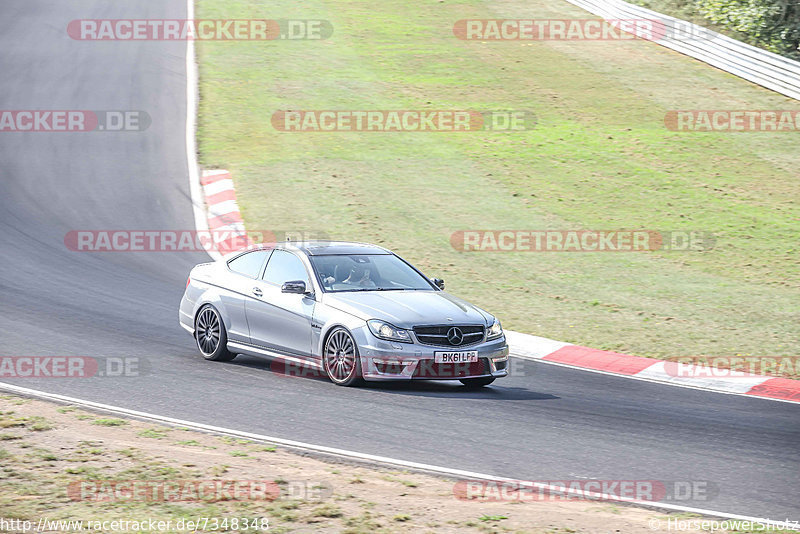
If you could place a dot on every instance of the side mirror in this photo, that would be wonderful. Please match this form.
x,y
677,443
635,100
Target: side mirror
x,y
438,282
294,286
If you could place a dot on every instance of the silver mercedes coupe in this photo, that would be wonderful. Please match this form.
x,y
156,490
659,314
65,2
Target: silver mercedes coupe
x,y
352,311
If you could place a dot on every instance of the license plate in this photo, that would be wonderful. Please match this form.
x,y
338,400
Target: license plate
x,y
455,357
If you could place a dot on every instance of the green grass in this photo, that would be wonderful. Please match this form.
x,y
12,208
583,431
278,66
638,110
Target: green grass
x,y
598,158
40,424
327,510
103,421
406,483
35,423
155,433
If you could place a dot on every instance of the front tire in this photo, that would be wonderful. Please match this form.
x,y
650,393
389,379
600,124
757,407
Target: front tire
x,y
340,358
211,336
475,383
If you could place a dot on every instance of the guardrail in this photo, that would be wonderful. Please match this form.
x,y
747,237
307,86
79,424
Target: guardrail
x,y
753,64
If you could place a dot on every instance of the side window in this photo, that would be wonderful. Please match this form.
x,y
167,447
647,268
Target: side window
x,y
249,264
284,266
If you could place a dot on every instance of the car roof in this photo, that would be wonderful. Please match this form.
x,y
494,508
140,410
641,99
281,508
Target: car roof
x,y
330,248
316,248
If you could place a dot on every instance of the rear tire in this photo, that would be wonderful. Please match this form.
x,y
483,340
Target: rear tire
x,y
211,336
475,383
340,358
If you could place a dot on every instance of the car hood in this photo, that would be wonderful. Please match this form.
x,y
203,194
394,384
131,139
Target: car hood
x,y
406,309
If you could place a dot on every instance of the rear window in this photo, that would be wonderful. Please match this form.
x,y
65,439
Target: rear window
x,y
249,264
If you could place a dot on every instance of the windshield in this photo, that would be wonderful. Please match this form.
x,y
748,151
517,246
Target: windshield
x,y
373,272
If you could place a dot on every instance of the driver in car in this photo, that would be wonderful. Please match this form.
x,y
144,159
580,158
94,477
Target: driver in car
x,y
359,276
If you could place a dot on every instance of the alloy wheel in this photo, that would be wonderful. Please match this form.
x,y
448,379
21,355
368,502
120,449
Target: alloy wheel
x,y
207,331
340,357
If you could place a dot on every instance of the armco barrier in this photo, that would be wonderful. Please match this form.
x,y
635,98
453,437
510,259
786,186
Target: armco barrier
x,y
753,64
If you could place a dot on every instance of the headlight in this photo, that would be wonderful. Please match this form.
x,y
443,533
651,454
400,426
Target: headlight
x,y
495,330
383,330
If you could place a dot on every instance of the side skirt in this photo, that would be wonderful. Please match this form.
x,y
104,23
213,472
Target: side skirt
x,y
234,346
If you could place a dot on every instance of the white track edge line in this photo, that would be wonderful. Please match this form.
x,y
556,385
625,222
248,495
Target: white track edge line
x,y
373,458
195,189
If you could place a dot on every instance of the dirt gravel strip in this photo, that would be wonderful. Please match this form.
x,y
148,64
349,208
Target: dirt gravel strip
x,y
64,463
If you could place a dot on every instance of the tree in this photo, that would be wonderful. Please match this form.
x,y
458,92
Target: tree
x,y
770,24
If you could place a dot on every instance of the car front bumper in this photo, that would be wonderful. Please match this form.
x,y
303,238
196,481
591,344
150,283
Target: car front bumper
x,y
386,360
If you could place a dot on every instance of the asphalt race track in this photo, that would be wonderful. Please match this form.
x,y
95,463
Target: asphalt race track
x,y
546,423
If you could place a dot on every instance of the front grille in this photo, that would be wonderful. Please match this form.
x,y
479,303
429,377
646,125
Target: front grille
x,y
438,335
430,369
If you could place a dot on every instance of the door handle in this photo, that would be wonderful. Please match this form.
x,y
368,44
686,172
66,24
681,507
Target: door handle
x,y
257,292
